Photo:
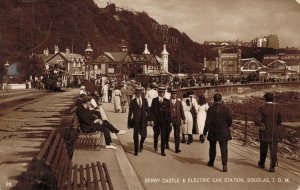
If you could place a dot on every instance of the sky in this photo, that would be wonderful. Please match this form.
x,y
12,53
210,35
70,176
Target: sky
x,y
224,19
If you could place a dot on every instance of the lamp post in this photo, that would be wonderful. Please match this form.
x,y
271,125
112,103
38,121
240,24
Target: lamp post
x,y
88,54
47,72
6,65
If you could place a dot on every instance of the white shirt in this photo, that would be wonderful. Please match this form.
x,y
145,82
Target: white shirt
x,y
139,101
173,101
150,95
82,92
167,95
161,99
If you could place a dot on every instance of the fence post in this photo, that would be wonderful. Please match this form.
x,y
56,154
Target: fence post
x,y
245,131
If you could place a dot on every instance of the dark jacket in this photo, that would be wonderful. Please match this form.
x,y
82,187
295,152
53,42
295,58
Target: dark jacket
x,y
218,122
86,119
138,116
268,116
176,112
160,111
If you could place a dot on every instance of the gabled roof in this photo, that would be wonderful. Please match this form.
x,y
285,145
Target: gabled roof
x,y
116,56
251,65
277,62
45,57
136,58
70,57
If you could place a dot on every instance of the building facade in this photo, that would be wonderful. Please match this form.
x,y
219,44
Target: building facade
x,y
70,67
226,65
127,65
285,65
270,41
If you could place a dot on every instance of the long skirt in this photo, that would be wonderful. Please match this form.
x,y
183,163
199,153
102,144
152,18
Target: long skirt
x,y
117,103
187,128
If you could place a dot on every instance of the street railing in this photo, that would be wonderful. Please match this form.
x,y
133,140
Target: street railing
x,y
246,130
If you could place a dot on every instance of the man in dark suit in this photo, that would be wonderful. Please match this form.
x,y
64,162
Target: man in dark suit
x,y
137,119
268,118
217,124
89,124
160,109
176,114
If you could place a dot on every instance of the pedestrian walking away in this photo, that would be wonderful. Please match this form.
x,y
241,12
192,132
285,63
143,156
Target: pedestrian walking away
x,y
268,118
117,99
124,99
187,127
201,110
217,125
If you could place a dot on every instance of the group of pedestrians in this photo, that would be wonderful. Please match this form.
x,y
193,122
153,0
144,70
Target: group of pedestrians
x,y
213,123
186,116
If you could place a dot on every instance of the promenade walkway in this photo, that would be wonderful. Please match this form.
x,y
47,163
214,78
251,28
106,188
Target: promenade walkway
x,y
188,170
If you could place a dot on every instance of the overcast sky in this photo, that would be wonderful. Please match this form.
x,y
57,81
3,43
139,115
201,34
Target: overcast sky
x,y
224,19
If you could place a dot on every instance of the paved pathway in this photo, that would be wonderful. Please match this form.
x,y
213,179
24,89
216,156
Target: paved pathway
x,y
23,129
188,169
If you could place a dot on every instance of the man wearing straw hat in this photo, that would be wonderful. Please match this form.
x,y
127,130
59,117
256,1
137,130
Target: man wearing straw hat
x,y
137,119
160,110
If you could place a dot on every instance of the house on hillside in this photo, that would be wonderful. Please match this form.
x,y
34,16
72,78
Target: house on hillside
x,y
70,67
125,65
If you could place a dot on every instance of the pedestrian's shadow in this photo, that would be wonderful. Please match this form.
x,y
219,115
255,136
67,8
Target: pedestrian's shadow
x,y
189,160
243,162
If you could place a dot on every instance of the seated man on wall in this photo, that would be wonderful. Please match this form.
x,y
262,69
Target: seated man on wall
x,y
88,123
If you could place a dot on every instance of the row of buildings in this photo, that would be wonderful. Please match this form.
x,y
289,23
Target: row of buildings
x,y
231,65
269,41
74,68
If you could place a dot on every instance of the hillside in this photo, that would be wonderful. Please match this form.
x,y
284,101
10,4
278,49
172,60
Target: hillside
x,y
32,25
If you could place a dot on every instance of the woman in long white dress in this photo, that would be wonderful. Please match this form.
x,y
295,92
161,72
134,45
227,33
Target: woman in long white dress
x,y
117,99
201,110
105,93
187,127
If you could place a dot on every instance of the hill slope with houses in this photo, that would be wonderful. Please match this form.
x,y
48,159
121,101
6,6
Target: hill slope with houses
x,y
28,26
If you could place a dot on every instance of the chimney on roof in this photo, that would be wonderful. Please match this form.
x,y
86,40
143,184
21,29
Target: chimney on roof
x,y
124,46
56,49
146,51
67,50
47,51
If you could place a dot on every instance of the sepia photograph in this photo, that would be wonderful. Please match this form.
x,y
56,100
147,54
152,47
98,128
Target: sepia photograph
x,y
149,94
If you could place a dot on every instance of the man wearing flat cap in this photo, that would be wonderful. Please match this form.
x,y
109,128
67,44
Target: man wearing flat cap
x,y
177,115
160,109
268,118
137,119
